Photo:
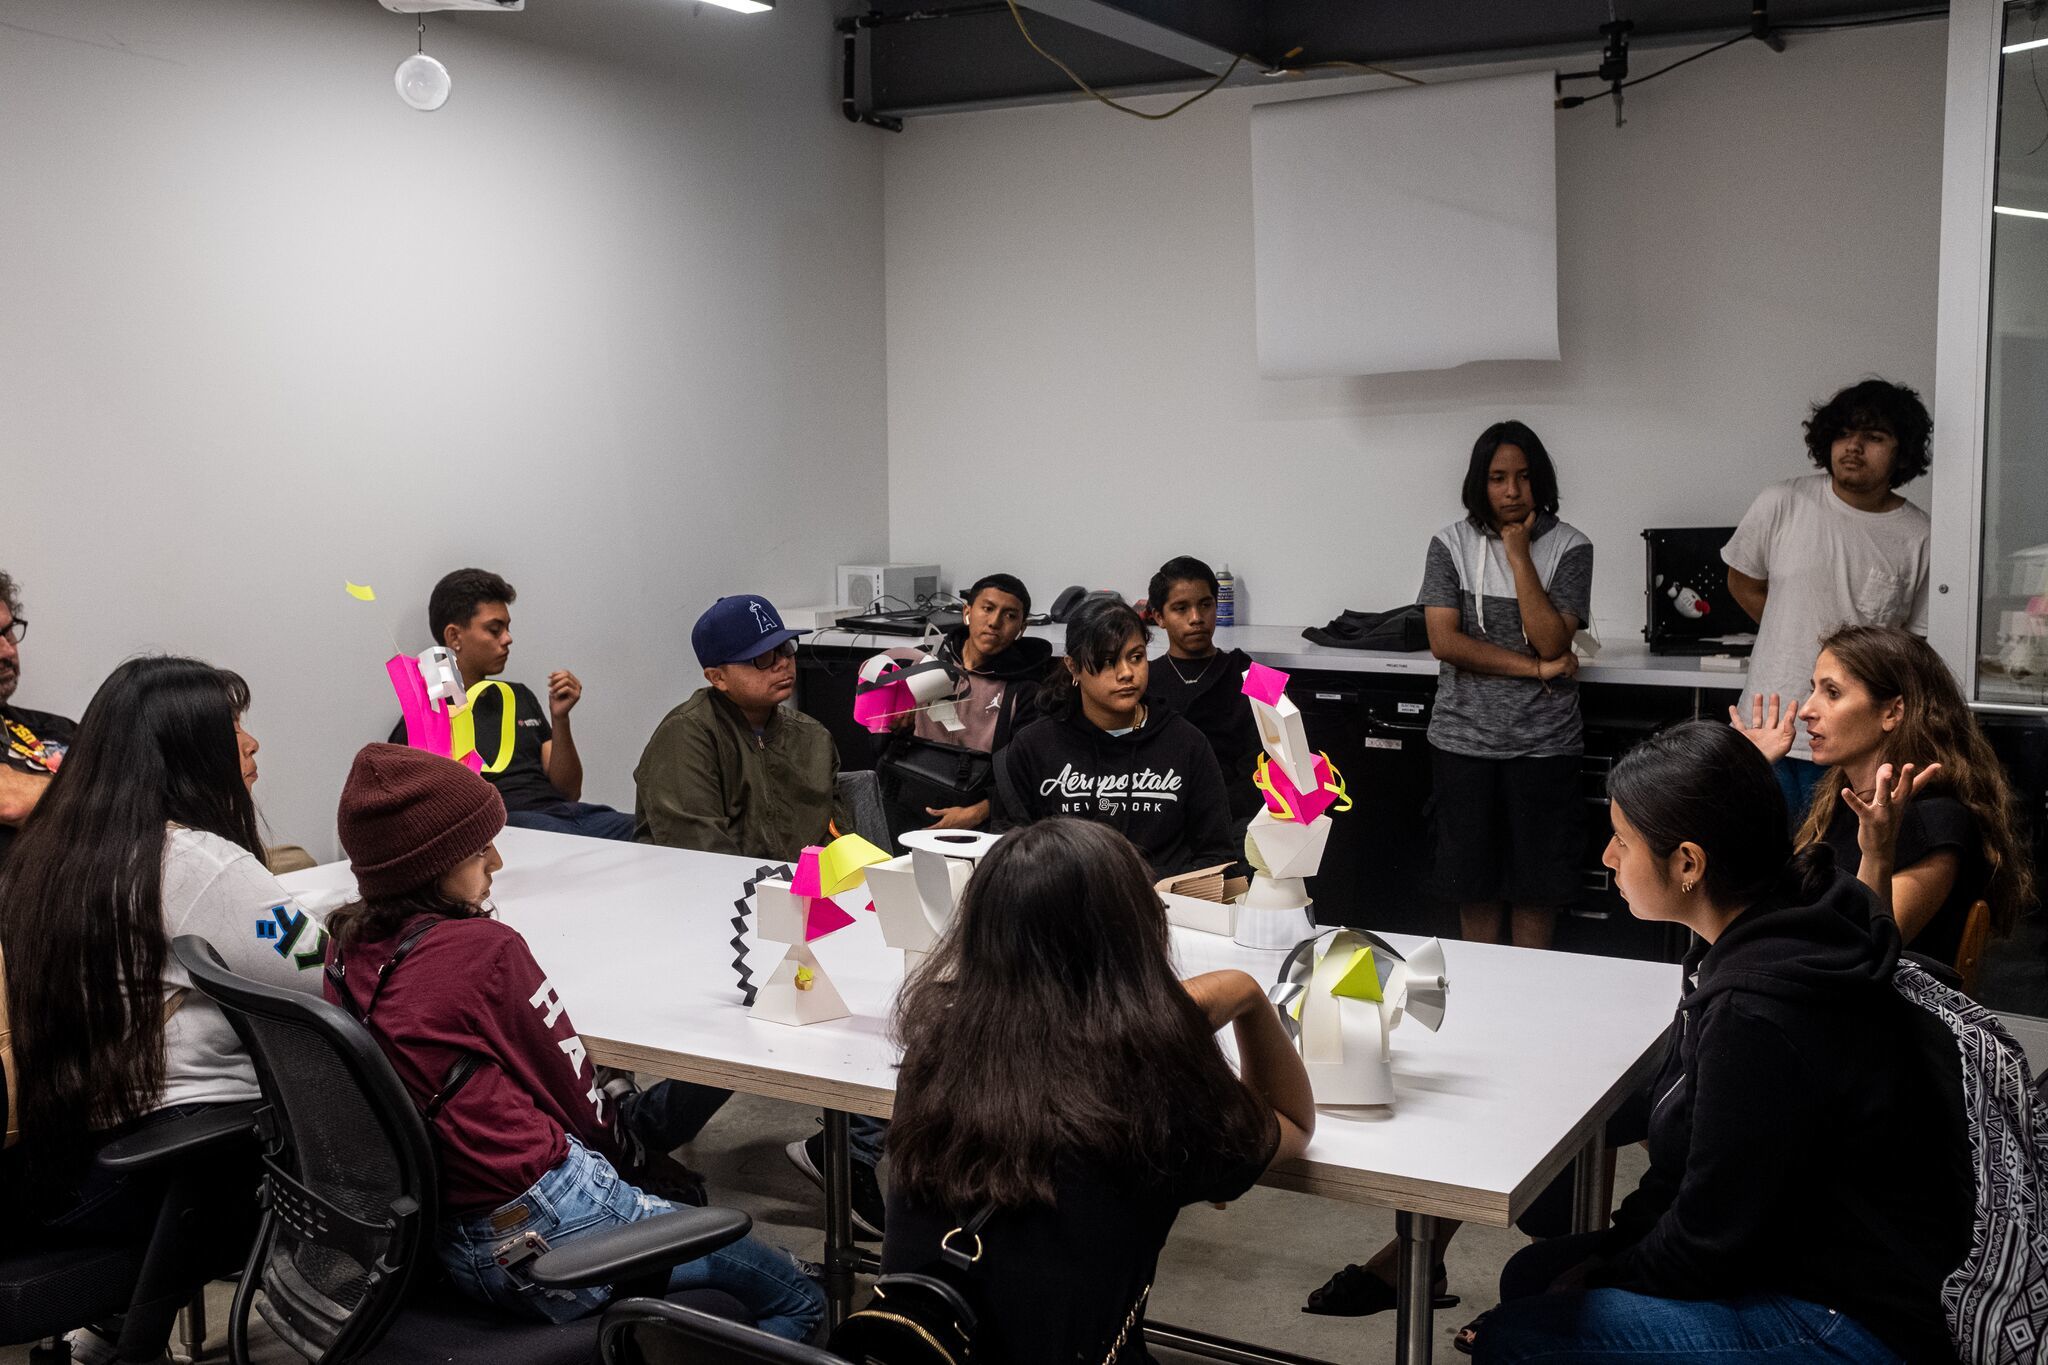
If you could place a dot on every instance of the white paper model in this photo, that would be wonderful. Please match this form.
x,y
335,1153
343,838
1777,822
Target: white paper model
x,y
1354,996
916,894
797,991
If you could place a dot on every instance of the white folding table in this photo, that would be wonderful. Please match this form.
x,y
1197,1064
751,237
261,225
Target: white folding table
x,y
1536,1053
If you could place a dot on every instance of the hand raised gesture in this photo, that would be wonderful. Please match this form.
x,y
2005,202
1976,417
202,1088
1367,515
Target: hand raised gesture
x,y
1877,818
1772,733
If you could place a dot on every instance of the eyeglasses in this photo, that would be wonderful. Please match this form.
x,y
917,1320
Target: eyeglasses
x,y
785,650
13,633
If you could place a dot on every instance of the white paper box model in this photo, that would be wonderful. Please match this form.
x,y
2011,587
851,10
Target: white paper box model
x,y
1285,740
797,991
1192,912
915,895
1288,848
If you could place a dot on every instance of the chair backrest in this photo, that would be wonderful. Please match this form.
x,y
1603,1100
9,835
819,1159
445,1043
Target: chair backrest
x,y
1970,952
861,790
349,1167
654,1332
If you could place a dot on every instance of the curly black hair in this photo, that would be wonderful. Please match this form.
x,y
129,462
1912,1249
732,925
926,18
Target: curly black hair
x,y
1874,405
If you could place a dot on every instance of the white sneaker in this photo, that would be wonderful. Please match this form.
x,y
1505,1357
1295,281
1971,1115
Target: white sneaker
x,y
90,1348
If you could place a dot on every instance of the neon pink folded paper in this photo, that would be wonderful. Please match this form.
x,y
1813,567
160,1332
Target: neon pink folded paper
x,y
1268,685
824,917
1287,803
806,882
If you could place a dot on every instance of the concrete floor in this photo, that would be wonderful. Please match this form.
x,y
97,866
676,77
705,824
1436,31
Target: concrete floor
x,y
1239,1272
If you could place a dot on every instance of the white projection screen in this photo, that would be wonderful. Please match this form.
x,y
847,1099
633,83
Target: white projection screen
x,y
1411,229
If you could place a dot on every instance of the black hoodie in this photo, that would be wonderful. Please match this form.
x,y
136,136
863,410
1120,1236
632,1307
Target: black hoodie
x,y
1158,785
1215,704
1022,667
1807,1135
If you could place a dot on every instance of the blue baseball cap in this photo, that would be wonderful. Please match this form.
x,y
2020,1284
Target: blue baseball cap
x,y
735,629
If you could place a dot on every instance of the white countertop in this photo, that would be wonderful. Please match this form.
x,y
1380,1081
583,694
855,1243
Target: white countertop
x,y
1625,662
1537,1048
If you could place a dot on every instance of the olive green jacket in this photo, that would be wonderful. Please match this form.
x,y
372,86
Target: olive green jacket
x,y
706,781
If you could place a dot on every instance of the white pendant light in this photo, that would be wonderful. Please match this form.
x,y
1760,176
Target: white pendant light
x,y
422,81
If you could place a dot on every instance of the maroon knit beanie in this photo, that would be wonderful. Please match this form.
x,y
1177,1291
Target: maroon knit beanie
x,y
407,816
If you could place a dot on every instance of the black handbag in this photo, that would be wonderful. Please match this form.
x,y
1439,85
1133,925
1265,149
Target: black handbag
x,y
928,1318
921,773
920,1318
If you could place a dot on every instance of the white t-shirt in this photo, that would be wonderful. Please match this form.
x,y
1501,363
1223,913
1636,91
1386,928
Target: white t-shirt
x,y
216,890
1829,565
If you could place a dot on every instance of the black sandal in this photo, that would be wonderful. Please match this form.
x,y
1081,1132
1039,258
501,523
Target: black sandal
x,y
1468,1335
1355,1292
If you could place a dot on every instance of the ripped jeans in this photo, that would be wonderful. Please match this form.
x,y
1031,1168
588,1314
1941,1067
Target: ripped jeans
x,y
584,1194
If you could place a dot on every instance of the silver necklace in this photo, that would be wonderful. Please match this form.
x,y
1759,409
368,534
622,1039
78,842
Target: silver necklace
x,y
1200,673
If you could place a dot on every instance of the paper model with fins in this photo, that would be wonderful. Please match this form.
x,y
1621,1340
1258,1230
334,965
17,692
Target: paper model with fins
x,y
902,682
916,894
1286,840
799,909
1342,994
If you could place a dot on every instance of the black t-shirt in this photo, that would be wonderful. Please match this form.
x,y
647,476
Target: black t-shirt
x,y
1054,1285
1928,825
524,783
31,742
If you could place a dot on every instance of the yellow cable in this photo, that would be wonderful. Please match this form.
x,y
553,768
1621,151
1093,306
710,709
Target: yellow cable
x,y
1090,90
1361,66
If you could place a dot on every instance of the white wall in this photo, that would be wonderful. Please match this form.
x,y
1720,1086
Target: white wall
x,y
1073,389
607,328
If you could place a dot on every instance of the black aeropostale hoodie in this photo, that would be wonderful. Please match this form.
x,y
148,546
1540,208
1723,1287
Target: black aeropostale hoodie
x,y
1157,785
1807,1135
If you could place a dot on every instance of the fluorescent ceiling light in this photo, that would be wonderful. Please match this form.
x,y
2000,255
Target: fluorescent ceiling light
x,y
2016,47
746,6
2018,213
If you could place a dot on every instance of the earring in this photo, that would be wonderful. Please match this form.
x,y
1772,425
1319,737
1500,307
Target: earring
x,y
1686,887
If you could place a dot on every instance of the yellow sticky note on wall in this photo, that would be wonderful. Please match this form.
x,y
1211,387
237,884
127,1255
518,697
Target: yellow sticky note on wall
x,y
362,592
1361,979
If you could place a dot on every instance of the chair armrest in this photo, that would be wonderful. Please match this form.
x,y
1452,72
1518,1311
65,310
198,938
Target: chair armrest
x,y
179,1139
635,1249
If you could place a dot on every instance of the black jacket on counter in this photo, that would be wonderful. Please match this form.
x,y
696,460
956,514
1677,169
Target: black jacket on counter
x,y
1157,785
1214,703
1807,1135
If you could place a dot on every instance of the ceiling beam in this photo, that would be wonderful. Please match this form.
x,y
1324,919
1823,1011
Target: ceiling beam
x,y
1121,25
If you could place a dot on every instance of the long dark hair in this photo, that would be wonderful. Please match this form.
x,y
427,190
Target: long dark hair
x,y
1937,727
369,921
1096,633
81,894
1049,1024
1702,782
1542,473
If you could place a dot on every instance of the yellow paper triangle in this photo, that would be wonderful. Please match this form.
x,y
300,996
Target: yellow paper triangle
x,y
840,862
1361,979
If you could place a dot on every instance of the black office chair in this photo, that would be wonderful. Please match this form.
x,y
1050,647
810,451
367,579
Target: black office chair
x,y
656,1332
47,1290
343,1268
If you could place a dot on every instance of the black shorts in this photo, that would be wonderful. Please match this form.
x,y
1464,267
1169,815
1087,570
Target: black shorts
x,y
1507,829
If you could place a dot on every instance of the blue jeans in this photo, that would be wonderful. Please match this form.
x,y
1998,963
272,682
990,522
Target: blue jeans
x,y
576,817
864,1137
1616,1327
1797,777
584,1194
